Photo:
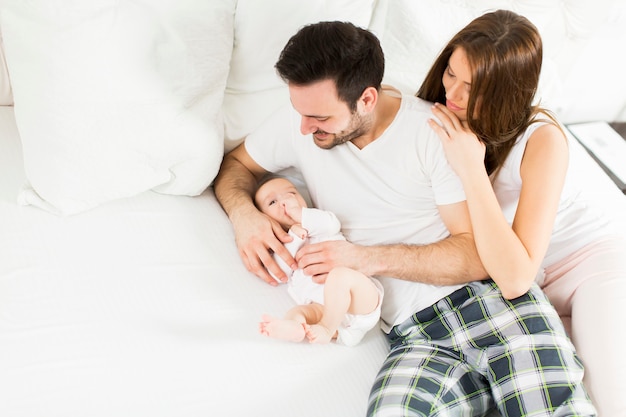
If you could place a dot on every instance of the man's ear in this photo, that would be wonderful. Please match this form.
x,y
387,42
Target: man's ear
x,y
369,99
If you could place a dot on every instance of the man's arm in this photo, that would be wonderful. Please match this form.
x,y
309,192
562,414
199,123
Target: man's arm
x,y
453,260
256,235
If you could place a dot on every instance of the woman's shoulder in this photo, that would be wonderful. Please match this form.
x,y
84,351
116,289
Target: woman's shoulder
x,y
544,133
546,154
540,129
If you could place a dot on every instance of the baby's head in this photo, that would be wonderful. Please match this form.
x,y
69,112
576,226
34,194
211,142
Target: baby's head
x,y
273,194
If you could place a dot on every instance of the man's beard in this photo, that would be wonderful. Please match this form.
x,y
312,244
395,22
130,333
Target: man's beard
x,y
359,125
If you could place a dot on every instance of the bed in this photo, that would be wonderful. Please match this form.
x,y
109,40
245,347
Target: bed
x,y
137,304
142,307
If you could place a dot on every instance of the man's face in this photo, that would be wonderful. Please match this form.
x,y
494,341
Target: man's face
x,y
327,118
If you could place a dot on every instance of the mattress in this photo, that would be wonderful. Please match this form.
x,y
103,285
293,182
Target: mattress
x,y
142,307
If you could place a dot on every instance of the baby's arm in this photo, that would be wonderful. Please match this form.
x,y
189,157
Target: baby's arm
x,y
320,222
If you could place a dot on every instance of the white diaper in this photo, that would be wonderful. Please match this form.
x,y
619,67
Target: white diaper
x,y
303,290
354,327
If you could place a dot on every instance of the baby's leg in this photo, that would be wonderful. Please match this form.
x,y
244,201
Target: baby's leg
x,y
345,291
292,327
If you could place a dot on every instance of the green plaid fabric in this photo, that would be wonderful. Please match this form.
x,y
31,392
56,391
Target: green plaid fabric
x,y
473,351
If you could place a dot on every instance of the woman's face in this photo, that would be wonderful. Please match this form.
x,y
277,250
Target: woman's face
x,y
457,81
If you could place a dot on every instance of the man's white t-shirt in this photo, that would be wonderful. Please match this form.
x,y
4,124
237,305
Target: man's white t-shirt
x,y
385,193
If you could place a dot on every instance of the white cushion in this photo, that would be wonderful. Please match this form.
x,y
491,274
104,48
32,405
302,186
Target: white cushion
x,y
115,98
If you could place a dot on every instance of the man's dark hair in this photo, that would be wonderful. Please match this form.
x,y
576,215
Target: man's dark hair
x,y
339,51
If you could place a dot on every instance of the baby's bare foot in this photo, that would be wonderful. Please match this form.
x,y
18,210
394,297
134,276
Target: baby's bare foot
x,y
316,333
289,330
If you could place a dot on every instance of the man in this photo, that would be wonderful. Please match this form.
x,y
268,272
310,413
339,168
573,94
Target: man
x,y
367,154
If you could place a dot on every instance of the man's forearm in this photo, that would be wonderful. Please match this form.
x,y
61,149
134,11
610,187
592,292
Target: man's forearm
x,y
453,260
234,186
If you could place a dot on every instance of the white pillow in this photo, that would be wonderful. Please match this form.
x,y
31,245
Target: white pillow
x,y
262,28
114,98
412,33
6,97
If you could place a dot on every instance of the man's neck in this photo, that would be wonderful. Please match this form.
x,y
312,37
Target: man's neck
x,y
387,107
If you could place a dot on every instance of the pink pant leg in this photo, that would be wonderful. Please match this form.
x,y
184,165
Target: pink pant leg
x,y
588,289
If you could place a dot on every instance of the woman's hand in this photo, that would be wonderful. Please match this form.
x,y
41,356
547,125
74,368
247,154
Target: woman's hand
x,y
464,151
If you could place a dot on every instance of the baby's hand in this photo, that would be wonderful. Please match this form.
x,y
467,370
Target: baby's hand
x,y
293,208
300,231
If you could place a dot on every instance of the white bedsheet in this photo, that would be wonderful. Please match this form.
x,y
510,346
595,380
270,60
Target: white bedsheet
x,y
142,307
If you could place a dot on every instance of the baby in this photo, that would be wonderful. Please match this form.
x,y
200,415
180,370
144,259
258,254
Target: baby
x,y
347,306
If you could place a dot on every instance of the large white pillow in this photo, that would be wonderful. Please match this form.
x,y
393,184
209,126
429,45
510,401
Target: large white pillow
x,y
113,98
262,29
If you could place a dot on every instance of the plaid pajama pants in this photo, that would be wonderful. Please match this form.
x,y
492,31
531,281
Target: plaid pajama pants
x,y
473,351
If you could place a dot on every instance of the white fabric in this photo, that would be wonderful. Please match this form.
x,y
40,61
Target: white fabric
x,y
354,327
110,100
405,166
142,307
254,90
321,225
6,96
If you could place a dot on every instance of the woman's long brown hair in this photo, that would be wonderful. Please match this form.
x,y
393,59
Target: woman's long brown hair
x,y
504,51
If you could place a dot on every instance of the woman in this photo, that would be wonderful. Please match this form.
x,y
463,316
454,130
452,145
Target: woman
x,y
530,222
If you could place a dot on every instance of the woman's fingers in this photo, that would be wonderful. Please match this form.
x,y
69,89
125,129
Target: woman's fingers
x,y
449,120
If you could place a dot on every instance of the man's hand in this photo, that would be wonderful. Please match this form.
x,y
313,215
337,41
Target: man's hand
x,y
318,259
257,237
